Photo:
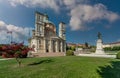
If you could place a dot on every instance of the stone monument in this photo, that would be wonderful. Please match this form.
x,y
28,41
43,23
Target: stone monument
x,y
99,48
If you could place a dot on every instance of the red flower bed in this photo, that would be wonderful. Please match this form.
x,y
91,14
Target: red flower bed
x,y
14,50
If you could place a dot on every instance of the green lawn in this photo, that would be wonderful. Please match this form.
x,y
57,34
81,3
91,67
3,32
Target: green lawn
x,y
61,67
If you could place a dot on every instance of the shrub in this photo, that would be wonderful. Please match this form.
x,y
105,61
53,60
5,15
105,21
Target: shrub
x,y
107,49
115,48
0,53
92,50
118,55
16,50
69,53
70,48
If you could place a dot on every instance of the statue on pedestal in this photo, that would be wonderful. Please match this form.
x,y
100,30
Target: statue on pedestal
x,y
99,48
99,35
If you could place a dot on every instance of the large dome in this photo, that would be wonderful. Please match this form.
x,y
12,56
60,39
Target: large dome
x,y
49,22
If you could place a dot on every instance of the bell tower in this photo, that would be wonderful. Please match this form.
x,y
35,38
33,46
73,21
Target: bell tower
x,y
39,24
62,30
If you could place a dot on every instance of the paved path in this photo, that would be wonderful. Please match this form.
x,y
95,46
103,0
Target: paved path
x,y
98,55
6,59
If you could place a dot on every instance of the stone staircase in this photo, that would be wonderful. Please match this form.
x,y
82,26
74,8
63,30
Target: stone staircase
x,y
50,54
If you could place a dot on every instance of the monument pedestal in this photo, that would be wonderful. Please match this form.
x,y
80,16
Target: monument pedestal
x,y
99,51
99,48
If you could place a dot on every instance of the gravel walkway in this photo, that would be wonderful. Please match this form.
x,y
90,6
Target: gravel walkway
x,y
98,55
6,59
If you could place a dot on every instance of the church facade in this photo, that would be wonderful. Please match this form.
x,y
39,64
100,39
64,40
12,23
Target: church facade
x,y
45,38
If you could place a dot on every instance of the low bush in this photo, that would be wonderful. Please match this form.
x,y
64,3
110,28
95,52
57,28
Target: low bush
x,y
15,50
92,50
115,48
118,55
69,53
0,53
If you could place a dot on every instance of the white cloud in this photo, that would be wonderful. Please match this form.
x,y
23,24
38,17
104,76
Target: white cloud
x,y
82,14
36,3
80,11
72,3
69,3
19,34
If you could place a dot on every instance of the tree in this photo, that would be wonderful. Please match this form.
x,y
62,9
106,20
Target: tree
x,y
15,50
86,45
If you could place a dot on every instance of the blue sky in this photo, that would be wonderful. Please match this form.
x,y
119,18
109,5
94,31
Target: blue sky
x,y
83,18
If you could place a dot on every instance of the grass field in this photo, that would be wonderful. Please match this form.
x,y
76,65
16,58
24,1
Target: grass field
x,y
61,67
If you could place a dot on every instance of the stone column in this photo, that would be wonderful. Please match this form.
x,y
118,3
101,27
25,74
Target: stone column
x,y
37,46
51,46
34,44
43,31
61,45
44,50
57,47
64,46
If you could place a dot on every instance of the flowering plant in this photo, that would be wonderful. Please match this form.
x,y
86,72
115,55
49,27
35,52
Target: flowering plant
x,y
15,50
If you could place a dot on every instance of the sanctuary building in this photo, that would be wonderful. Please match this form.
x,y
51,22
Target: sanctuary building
x,y
45,38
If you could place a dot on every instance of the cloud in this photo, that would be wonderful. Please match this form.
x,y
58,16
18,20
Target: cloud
x,y
36,3
83,13
53,4
19,34
72,3
69,3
